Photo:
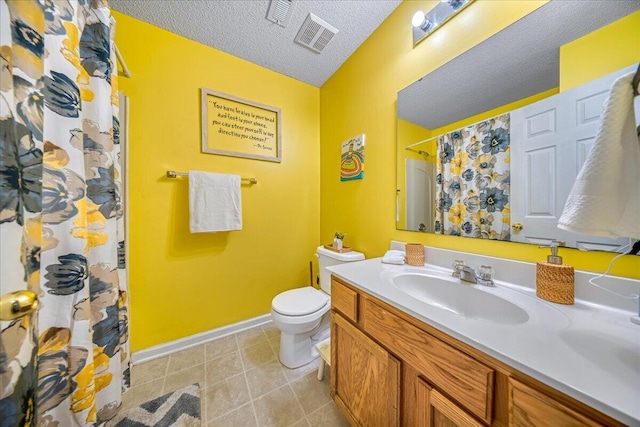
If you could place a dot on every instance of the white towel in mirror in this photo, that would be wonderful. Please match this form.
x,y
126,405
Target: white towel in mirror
x,y
605,198
214,202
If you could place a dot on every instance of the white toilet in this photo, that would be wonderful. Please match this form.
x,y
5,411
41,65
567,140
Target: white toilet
x,y
302,314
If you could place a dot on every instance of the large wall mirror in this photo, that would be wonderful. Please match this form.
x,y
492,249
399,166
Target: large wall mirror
x,y
512,121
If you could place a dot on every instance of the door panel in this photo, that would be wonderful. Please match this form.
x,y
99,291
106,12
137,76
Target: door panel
x,y
550,142
541,192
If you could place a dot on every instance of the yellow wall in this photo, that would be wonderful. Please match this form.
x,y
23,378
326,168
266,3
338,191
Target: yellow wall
x,y
611,48
183,283
361,97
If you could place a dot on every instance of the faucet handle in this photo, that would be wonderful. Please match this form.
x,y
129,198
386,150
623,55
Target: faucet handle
x,y
486,272
457,267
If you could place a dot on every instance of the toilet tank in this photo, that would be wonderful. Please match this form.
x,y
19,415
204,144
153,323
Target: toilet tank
x,y
327,258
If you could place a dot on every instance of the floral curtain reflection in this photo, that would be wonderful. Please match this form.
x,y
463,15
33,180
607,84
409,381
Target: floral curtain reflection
x,y
473,181
61,215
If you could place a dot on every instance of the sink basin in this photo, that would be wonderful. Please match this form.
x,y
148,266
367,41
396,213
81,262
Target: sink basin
x,y
461,299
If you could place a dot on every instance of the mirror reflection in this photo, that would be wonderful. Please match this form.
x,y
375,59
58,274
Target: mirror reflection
x,y
489,144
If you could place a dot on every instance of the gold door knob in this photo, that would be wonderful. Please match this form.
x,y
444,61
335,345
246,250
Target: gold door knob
x,y
517,226
17,304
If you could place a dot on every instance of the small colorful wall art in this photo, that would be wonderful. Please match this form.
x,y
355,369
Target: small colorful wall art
x,y
352,159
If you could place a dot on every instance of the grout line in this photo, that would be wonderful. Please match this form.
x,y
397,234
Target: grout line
x,y
304,415
319,409
229,412
287,381
166,373
206,385
236,350
292,380
233,409
246,380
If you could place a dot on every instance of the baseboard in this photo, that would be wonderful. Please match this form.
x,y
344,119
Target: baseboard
x,y
197,339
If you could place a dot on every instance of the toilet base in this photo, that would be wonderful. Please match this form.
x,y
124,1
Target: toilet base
x,y
299,349
296,351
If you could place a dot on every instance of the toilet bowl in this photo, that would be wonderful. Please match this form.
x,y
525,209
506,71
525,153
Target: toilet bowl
x,y
302,315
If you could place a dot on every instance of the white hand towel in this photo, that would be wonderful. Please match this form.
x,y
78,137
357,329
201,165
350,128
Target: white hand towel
x,y
394,257
214,202
605,199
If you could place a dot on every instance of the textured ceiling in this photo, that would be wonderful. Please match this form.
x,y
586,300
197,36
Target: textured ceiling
x,y
519,61
239,27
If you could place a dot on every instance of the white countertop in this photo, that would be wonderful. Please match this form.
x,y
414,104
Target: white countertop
x,y
587,351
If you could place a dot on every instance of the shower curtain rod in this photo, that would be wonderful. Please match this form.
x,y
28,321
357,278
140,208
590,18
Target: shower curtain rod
x,y
424,153
421,142
125,69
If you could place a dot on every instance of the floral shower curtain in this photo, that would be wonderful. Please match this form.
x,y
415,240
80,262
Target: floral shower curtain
x,y
472,180
61,215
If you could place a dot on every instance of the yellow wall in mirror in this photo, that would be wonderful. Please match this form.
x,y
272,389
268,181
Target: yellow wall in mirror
x,y
182,283
494,112
604,51
361,98
408,134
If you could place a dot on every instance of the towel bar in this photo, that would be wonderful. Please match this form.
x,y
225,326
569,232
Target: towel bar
x,y
174,174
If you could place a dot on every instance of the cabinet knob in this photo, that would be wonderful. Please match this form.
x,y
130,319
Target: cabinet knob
x,y
517,226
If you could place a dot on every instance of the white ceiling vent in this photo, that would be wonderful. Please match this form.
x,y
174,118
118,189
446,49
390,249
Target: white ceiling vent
x,y
280,12
315,33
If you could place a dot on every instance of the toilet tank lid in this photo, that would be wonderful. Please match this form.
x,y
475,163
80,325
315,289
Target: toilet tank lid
x,y
341,256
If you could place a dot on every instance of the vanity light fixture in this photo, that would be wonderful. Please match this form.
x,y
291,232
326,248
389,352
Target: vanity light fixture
x,y
421,21
425,24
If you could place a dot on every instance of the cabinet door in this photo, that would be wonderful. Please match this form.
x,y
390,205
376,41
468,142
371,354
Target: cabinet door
x,y
529,408
435,410
364,377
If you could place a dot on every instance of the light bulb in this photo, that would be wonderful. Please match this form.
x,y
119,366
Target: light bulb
x,y
418,19
456,4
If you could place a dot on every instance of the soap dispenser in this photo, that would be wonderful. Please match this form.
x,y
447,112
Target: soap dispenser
x,y
555,281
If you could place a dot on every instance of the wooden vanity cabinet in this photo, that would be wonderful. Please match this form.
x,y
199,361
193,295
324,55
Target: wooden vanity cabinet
x,y
365,378
390,369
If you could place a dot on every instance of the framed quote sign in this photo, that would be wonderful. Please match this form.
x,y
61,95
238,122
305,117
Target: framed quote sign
x,y
237,127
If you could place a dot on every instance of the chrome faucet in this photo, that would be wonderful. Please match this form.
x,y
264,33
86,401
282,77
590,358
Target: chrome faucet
x,y
482,277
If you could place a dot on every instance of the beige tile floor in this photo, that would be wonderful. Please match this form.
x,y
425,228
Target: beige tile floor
x,y
242,383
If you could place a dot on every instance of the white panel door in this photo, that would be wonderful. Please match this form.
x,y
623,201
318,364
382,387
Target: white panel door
x,y
550,141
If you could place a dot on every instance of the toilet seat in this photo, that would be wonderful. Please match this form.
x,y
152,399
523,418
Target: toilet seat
x,y
299,302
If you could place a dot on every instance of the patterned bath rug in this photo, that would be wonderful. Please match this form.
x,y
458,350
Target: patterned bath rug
x,y
180,408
